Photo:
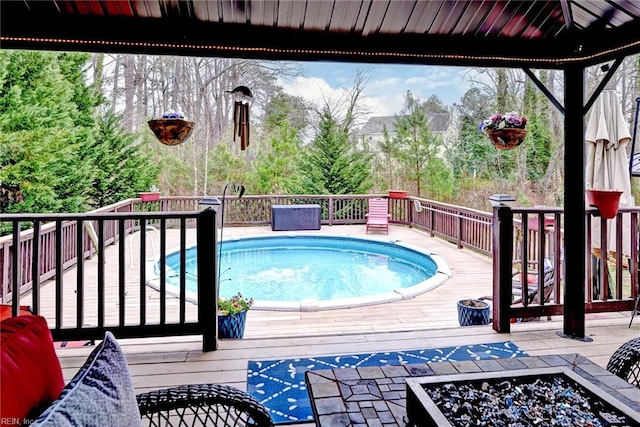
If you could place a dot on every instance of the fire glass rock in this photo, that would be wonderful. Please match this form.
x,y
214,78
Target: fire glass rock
x,y
522,402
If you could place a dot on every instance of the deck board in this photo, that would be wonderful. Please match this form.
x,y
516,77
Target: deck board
x,y
428,320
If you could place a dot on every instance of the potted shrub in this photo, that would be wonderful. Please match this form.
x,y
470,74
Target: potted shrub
x,y
473,312
232,315
505,131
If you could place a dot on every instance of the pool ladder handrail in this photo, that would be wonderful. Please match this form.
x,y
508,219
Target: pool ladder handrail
x,y
153,245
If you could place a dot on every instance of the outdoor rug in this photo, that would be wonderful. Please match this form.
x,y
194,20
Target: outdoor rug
x,y
280,384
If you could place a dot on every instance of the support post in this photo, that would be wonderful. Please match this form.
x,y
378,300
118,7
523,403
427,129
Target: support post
x,y
207,279
502,261
574,205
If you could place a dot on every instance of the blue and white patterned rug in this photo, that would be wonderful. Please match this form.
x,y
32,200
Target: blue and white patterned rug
x,y
280,384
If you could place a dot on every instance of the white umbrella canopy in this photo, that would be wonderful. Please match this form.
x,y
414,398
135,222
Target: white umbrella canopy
x,y
607,137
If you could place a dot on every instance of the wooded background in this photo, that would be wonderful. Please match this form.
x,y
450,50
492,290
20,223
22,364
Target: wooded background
x,y
74,135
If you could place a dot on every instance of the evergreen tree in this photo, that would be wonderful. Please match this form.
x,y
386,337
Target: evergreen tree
x,y
44,125
475,156
286,107
331,165
277,169
122,168
418,149
538,143
385,165
224,167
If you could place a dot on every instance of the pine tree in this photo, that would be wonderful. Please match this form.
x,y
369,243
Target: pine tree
x,y
277,169
122,167
417,148
331,165
43,129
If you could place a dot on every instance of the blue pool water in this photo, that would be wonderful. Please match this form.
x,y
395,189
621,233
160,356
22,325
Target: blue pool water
x,y
281,271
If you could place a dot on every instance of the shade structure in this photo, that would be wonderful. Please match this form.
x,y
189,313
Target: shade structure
x,y
607,137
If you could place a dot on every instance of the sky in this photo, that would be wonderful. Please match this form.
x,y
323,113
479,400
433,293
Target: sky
x,y
387,85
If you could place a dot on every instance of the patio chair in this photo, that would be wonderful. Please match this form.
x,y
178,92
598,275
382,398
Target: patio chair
x,y
202,404
533,296
378,215
625,362
101,393
532,284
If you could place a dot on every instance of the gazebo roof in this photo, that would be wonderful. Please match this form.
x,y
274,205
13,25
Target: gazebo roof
x,y
541,33
562,34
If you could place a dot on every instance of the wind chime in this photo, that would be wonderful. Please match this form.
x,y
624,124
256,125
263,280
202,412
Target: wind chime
x,y
241,96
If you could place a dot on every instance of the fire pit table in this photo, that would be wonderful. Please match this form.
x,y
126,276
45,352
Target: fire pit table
x,y
532,397
368,395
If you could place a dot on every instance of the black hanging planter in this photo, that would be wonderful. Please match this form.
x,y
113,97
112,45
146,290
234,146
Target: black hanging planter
x,y
171,131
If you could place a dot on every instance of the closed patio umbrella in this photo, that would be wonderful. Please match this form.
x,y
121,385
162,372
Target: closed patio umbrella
x,y
607,137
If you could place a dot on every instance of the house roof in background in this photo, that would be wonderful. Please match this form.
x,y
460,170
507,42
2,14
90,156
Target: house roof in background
x,y
376,124
541,33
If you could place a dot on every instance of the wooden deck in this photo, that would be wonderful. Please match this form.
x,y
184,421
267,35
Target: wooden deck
x,y
429,320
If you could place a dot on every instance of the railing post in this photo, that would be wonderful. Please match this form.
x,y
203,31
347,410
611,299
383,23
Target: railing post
x,y
330,212
207,285
432,214
459,229
502,262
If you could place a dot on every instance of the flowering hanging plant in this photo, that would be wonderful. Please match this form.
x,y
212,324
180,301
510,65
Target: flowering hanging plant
x,y
511,119
234,305
172,114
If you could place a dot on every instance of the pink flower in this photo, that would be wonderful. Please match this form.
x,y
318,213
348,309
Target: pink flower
x,y
511,119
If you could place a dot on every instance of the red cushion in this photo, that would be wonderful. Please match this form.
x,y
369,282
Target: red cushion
x,y
30,373
5,311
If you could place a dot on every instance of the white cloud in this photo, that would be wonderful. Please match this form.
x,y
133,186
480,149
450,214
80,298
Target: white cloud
x,y
385,105
313,89
386,87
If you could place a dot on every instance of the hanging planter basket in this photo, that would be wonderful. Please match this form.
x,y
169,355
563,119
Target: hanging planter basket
x,y
507,138
171,131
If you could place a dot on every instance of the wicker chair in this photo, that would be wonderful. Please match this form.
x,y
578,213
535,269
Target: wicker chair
x,y
533,295
625,362
202,405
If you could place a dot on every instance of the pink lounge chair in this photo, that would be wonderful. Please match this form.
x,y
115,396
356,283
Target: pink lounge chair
x,y
378,216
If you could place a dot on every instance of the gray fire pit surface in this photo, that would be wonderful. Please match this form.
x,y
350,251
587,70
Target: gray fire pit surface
x,y
396,396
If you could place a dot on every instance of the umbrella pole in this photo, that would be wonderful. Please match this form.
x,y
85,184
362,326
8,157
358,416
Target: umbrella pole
x,y
633,140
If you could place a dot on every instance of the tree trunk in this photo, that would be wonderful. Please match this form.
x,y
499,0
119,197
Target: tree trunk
x,y
129,92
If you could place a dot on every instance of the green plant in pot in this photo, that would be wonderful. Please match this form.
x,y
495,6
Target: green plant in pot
x,y
232,315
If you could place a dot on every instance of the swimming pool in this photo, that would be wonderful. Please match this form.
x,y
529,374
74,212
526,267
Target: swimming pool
x,y
308,273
